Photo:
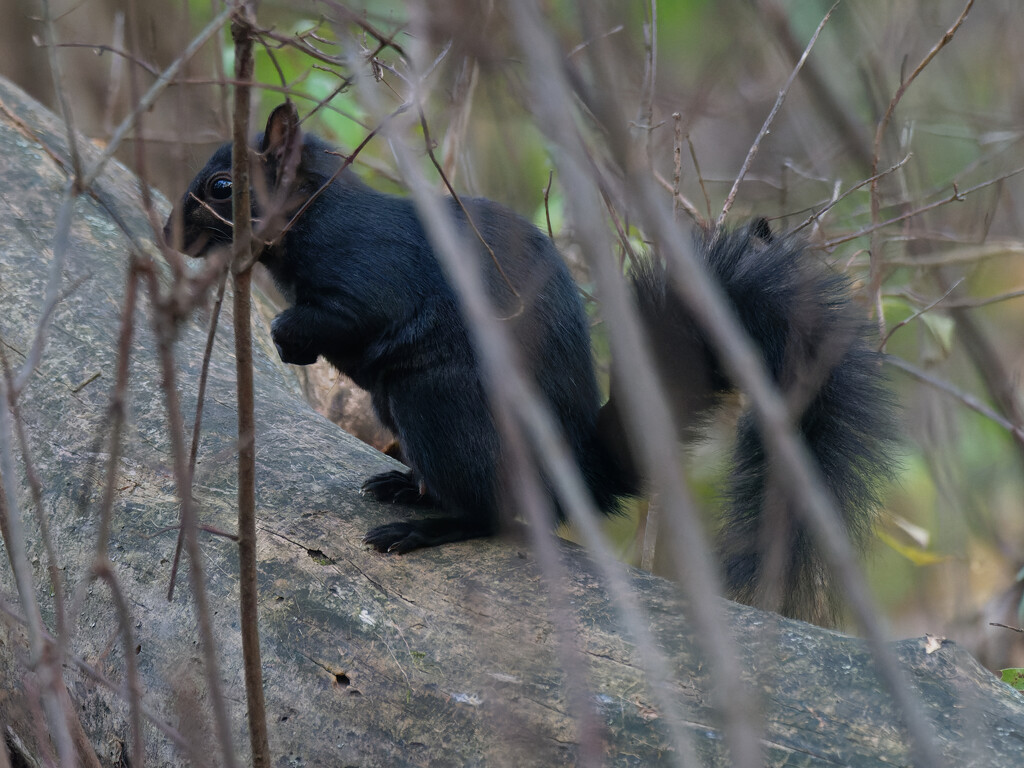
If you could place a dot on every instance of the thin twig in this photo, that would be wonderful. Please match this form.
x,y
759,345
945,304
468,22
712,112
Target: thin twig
x,y
836,199
547,207
462,103
150,97
551,92
164,330
700,178
646,109
677,160
964,397
985,301
42,519
968,254
47,669
359,19
743,363
347,161
101,563
465,212
875,282
1005,626
58,87
6,609
679,200
103,570
770,119
116,49
833,107
242,27
956,196
913,317
51,295
587,43
193,452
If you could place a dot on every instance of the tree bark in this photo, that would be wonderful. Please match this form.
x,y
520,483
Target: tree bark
x,y
442,657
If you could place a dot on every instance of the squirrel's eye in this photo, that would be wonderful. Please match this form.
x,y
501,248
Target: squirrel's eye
x,y
219,188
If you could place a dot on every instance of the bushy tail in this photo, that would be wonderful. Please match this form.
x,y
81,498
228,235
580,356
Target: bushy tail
x,y
814,344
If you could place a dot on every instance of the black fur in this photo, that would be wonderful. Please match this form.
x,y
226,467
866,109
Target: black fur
x,y
814,344
368,295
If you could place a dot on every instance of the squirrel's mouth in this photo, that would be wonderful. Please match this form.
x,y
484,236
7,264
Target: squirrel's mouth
x,y
192,241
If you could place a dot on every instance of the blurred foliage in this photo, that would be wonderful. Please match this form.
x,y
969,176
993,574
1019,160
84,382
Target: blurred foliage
x,y
952,544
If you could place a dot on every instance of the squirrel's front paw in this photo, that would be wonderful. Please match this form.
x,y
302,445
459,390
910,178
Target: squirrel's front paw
x,y
290,349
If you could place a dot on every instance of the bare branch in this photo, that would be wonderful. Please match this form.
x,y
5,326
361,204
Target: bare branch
x,y
770,119
58,87
47,669
242,26
966,398
150,97
163,328
913,317
875,286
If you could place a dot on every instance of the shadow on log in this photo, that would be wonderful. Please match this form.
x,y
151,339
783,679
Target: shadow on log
x,y
442,658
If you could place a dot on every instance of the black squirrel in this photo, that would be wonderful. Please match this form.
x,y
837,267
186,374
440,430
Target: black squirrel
x,y
368,294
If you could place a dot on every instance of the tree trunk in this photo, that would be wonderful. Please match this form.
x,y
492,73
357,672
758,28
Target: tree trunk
x,y
445,657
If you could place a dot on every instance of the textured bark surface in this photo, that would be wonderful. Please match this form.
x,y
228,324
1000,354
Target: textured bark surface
x,y
440,658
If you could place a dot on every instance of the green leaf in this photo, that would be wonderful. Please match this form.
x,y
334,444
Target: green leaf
x,y
1014,677
914,554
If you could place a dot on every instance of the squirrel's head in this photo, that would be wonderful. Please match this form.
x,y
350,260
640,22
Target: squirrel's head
x,y
202,218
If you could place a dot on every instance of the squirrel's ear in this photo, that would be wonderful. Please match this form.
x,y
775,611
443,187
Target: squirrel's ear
x,y
283,133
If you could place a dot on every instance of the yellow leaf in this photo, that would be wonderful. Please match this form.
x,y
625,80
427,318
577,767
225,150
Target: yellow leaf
x,y
914,554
